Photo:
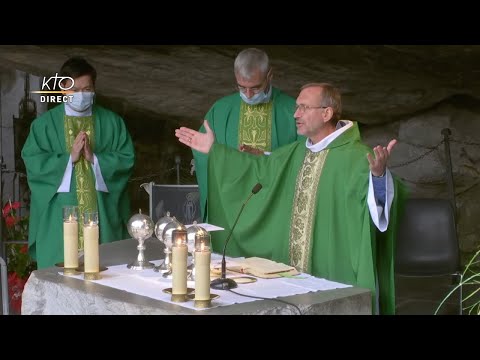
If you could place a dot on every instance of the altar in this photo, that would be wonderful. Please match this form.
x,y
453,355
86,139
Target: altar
x,y
48,291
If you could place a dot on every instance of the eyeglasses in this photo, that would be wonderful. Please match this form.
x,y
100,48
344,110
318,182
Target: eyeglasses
x,y
304,108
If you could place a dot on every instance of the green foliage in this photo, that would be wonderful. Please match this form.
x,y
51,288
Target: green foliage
x,y
16,229
470,277
19,261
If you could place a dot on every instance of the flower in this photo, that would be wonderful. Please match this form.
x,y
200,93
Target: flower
x,y
16,226
15,290
19,262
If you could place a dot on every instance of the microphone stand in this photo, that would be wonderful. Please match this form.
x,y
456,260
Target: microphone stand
x,y
223,283
449,172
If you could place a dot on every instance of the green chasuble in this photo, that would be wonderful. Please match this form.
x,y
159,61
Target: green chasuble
x,y
344,244
46,156
265,126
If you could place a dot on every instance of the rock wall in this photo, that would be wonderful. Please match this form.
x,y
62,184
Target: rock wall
x,y
406,92
420,159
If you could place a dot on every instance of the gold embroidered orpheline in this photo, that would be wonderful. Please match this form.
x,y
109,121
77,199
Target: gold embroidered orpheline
x,y
86,193
255,125
303,212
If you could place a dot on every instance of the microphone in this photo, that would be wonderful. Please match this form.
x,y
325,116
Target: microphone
x,y
222,283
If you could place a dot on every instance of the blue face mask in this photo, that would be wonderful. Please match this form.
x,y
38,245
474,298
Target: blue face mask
x,y
81,101
259,98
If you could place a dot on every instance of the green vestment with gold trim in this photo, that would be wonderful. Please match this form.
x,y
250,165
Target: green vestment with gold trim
x,y
264,126
344,244
46,156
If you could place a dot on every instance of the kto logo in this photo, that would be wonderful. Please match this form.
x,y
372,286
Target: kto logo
x,y
57,81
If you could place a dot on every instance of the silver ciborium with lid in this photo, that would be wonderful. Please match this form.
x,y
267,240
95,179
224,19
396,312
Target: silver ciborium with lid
x,y
194,231
140,227
159,227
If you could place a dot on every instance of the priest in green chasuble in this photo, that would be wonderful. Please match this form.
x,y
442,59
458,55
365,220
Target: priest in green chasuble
x,y
81,154
328,206
258,115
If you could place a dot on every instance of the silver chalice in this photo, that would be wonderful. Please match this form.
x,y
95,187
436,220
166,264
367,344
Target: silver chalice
x,y
140,227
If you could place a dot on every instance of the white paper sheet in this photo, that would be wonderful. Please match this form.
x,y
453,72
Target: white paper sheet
x,y
208,227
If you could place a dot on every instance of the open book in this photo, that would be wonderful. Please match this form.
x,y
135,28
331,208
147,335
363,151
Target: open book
x,y
260,267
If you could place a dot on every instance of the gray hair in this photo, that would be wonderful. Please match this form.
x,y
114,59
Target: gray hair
x,y
331,97
249,61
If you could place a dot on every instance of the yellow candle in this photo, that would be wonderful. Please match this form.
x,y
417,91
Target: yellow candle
x,y
202,275
70,243
179,269
91,253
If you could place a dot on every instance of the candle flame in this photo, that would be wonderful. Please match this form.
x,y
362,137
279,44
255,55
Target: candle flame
x,y
70,218
202,246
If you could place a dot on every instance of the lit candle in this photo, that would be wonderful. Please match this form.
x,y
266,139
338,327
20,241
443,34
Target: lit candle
x,y
90,243
202,273
179,262
70,237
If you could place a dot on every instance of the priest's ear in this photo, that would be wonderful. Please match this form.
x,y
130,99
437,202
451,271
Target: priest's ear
x,y
327,114
269,74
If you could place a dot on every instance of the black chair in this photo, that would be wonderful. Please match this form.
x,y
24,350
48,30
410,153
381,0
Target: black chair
x,y
182,201
427,243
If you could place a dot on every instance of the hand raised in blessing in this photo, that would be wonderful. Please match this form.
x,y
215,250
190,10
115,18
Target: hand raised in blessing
x,y
378,164
196,140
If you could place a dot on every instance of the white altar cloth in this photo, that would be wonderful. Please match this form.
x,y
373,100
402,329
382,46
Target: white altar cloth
x,y
151,284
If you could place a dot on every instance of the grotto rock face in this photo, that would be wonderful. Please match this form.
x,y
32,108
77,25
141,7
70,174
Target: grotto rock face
x,y
409,93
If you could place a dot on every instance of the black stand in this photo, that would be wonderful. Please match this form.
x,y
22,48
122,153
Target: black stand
x,y
223,284
449,172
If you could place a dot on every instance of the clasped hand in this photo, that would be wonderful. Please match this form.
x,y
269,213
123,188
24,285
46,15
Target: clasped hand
x,y
81,146
251,150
